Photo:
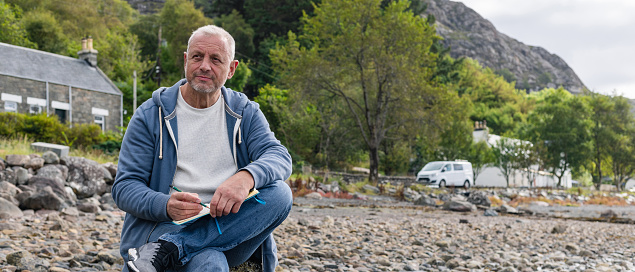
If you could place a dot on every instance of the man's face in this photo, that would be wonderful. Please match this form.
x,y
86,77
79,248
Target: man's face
x,y
207,63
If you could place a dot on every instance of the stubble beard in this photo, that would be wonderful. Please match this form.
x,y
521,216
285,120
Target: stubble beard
x,y
200,87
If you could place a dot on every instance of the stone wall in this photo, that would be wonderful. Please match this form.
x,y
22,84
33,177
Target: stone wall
x,y
82,100
349,178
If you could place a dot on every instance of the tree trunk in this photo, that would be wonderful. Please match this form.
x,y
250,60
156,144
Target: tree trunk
x,y
373,177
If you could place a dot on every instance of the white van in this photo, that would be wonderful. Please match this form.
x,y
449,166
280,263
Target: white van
x,y
446,173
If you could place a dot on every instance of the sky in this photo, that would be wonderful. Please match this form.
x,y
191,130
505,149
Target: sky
x,y
595,37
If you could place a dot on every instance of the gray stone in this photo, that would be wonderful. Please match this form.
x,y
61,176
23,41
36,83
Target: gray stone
x,y
490,212
559,228
17,160
479,198
459,206
9,209
9,176
425,201
313,195
89,207
370,188
508,209
85,176
35,163
43,198
111,167
59,150
50,157
9,188
108,178
21,176
55,172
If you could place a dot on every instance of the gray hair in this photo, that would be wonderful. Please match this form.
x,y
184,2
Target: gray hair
x,y
212,30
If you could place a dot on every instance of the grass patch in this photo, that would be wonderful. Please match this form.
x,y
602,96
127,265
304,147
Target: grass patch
x,y
22,146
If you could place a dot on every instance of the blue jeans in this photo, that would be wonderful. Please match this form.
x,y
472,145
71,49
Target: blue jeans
x,y
202,248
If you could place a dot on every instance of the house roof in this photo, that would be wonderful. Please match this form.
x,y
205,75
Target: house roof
x,y
38,65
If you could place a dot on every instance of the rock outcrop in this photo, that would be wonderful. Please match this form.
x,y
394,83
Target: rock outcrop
x,y
468,34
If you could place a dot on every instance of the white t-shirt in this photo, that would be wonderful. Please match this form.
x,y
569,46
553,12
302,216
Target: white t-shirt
x,y
204,157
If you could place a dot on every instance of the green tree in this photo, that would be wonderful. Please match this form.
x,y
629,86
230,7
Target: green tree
x,y
505,152
179,18
11,31
494,99
622,148
561,122
375,61
527,157
602,136
242,32
44,30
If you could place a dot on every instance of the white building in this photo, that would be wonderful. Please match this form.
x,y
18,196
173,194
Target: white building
x,y
491,176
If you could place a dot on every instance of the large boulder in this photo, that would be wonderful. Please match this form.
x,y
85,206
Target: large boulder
x,y
17,160
85,176
35,163
9,209
8,175
41,199
459,206
56,185
58,173
479,198
425,201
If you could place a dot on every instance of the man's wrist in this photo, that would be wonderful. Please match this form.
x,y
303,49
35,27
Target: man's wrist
x,y
248,179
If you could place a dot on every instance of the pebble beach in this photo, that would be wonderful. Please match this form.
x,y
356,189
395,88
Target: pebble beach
x,y
330,236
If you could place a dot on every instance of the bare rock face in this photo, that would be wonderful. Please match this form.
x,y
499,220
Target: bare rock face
x,y
468,34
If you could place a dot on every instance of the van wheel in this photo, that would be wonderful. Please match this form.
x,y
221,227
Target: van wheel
x,y
466,185
442,184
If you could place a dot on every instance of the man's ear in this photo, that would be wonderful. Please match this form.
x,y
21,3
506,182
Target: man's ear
x,y
185,61
232,68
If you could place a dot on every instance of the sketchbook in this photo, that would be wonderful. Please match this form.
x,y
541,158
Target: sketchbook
x,y
205,210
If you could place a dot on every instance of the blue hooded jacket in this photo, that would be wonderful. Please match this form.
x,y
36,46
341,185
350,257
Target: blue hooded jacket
x,y
148,156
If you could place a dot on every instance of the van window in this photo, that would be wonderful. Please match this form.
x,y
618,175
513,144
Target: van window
x,y
432,166
458,167
447,167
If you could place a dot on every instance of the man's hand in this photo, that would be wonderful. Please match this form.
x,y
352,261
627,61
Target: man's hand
x,y
231,194
183,205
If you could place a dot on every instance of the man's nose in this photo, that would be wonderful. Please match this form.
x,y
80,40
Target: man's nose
x,y
206,64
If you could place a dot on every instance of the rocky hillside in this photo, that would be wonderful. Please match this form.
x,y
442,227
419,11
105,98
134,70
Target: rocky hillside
x,y
468,34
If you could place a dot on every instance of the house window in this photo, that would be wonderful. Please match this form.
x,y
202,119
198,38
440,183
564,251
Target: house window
x,y
11,102
10,106
100,117
35,109
101,121
35,105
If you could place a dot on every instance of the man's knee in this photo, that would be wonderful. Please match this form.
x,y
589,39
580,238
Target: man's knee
x,y
282,196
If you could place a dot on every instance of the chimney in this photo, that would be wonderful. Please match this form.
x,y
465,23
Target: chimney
x,y
87,53
481,132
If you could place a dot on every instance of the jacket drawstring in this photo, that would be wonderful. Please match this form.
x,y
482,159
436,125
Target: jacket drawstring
x,y
160,135
240,141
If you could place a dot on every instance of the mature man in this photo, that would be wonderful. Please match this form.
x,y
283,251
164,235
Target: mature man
x,y
215,146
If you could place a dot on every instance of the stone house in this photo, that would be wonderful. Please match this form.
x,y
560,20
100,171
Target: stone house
x,y
76,90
